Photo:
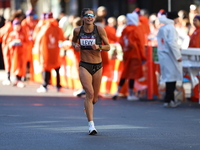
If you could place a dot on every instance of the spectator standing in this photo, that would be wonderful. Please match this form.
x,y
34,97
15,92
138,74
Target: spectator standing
x,y
102,12
154,26
195,43
4,32
169,57
62,20
133,55
49,52
17,42
192,13
107,74
38,27
110,29
182,27
121,24
143,25
28,24
69,26
195,37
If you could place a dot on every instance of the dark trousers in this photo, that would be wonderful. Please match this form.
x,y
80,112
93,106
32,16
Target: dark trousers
x,y
1,58
47,75
130,83
169,92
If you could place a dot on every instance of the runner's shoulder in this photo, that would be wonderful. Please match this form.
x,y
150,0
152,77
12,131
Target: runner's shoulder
x,y
77,29
100,29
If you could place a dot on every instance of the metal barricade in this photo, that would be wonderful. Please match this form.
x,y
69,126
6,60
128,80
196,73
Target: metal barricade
x,y
191,64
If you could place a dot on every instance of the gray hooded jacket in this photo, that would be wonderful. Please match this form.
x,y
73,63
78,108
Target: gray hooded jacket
x,y
169,51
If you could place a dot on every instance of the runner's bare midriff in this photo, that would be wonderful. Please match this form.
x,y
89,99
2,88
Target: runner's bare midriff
x,y
91,57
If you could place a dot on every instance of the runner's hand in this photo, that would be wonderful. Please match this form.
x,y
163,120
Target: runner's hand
x,y
95,47
77,47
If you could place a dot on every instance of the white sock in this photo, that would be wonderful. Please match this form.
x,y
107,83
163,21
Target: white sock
x,y
91,123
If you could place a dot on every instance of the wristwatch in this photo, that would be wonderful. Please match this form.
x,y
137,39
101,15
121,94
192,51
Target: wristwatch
x,y
100,47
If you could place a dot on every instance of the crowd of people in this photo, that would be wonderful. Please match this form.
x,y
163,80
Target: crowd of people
x,y
127,35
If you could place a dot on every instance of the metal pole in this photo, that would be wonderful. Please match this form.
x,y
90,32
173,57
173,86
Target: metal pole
x,y
169,5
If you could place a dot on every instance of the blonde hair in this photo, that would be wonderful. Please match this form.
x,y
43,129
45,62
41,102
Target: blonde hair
x,y
122,18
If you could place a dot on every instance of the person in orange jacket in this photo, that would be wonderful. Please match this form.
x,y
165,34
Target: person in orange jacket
x,y
143,25
28,24
195,37
4,32
111,30
36,32
133,55
38,27
16,42
49,53
195,43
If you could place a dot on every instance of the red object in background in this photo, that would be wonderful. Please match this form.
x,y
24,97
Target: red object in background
x,y
5,4
195,97
150,73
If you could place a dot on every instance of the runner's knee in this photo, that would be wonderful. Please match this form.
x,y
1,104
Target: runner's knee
x,y
90,95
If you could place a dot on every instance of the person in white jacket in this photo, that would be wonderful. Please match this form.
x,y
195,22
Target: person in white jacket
x,y
170,58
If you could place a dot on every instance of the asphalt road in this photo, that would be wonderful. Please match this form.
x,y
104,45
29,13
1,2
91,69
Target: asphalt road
x,y
55,121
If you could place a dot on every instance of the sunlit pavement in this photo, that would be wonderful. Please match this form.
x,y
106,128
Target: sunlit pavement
x,y
55,121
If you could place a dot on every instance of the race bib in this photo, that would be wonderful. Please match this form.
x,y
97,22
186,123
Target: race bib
x,y
87,42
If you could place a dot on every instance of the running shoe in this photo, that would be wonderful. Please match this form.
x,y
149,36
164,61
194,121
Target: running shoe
x,y
20,84
177,102
59,89
115,96
42,89
79,93
6,82
172,104
15,83
132,98
166,104
92,130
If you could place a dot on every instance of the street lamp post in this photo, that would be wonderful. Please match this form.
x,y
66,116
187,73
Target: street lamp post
x,y
169,5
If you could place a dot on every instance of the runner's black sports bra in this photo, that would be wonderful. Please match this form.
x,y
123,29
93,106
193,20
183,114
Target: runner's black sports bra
x,y
88,39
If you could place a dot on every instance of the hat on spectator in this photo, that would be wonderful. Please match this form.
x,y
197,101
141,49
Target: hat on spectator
x,y
49,15
172,15
16,22
132,18
161,12
137,11
30,12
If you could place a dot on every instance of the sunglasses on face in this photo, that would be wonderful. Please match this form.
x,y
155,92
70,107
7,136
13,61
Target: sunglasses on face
x,y
89,15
